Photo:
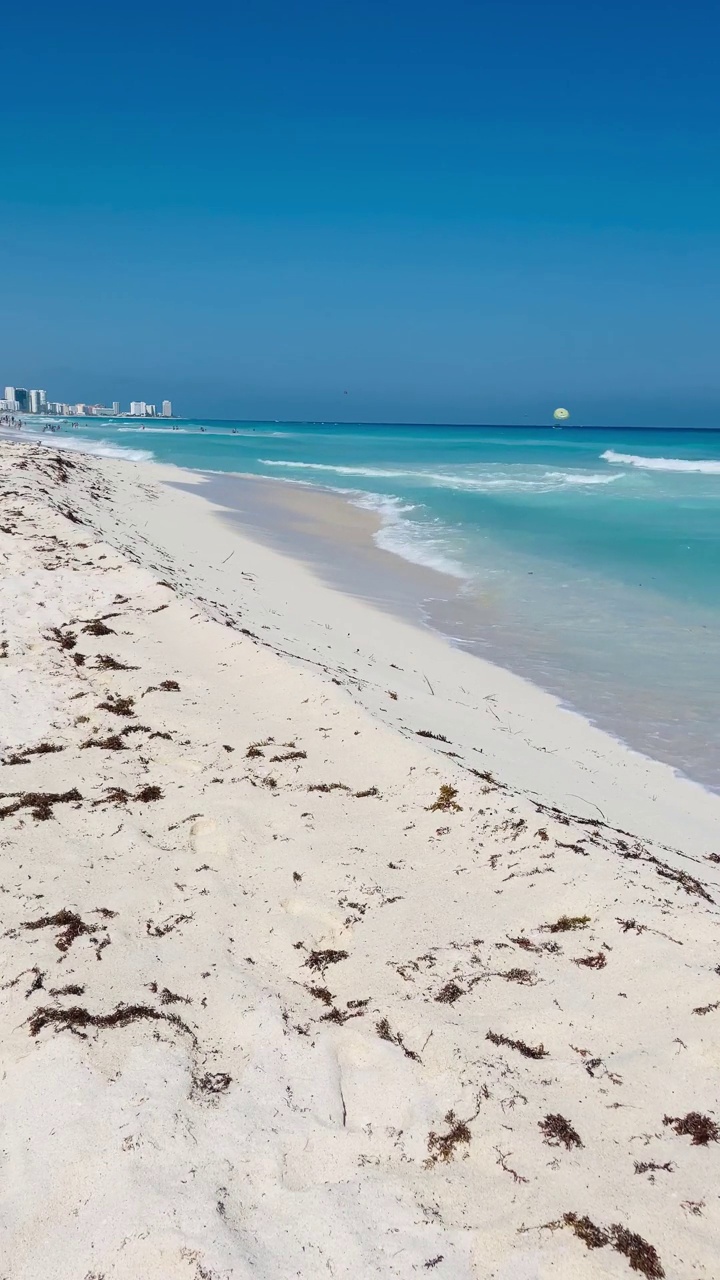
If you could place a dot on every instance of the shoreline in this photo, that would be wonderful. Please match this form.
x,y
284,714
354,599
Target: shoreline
x,y
366,548
319,957
336,538
526,730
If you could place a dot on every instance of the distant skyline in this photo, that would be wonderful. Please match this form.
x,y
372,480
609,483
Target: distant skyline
x,y
408,212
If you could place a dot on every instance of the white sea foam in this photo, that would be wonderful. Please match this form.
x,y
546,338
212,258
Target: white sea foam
x,y
76,444
460,481
707,466
196,431
413,540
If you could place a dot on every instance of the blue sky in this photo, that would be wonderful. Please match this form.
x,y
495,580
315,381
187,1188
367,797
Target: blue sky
x,y
452,212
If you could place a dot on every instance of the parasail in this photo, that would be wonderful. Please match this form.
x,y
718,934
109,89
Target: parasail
x,y
561,415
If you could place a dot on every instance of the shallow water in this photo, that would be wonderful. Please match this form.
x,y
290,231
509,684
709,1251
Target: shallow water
x,y
586,559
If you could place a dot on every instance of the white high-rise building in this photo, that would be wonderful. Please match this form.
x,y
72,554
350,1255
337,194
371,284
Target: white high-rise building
x,y
9,393
38,402
167,409
116,407
137,408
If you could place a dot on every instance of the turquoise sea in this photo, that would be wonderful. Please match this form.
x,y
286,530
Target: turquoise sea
x,y
587,559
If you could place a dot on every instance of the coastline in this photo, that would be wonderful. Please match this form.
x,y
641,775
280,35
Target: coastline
x,y
274,1005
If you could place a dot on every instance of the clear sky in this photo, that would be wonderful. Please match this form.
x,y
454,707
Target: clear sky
x,y
448,211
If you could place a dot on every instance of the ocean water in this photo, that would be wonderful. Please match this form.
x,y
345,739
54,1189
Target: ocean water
x,y
585,559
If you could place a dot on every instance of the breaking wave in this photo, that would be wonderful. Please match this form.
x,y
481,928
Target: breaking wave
x,y
478,482
99,448
706,466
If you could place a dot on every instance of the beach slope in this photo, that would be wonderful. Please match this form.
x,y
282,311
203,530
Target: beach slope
x,y
325,950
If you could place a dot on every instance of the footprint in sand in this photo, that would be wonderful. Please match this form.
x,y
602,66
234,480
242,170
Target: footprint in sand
x,y
206,838
324,926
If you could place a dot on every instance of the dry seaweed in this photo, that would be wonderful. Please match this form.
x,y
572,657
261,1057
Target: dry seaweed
x,y
565,923
427,733
329,786
319,960
23,756
70,924
97,628
113,742
77,1019
694,1125
40,803
383,1029
527,1050
642,1256
597,961
585,1229
322,993
556,1130
446,802
442,1146
118,706
161,930
105,662
146,794
213,1082
449,993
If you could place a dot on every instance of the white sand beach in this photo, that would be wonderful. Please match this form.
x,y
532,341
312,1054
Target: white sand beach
x,y
327,949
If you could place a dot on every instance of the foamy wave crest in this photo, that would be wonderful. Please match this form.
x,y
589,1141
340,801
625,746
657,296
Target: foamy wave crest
x,y
467,481
99,448
412,540
707,466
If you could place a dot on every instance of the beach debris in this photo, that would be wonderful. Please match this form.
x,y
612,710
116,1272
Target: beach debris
x,y
212,1082
23,756
427,733
69,923
527,1050
40,803
643,1257
446,802
113,742
597,961
63,638
557,1130
393,1037
694,1125
449,993
442,1146
325,787
566,923
78,1020
319,960
98,628
117,705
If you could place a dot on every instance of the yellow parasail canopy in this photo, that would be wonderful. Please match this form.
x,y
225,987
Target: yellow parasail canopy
x,y
561,415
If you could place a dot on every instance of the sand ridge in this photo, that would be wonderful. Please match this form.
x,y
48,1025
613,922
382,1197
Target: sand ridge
x,y
289,993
